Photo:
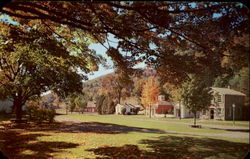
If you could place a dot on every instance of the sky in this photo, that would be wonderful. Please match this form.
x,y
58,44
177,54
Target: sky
x,y
101,50
102,71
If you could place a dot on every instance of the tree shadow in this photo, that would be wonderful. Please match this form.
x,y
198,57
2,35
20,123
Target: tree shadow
x,y
104,128
21,145
234,130
85,127
170,147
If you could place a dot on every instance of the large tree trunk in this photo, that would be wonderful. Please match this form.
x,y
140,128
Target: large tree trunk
x,y
18,108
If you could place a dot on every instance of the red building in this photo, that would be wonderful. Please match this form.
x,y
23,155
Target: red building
x,y
163,107
91,107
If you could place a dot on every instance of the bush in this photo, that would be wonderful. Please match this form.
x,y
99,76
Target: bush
x,y
39,114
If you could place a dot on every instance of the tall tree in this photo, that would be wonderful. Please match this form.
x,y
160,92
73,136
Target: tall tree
x,y
150,93
80,102
138,86
99,103
196,94
32,62
117,85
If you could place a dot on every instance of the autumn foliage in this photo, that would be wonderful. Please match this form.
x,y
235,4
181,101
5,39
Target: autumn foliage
x,y
150,92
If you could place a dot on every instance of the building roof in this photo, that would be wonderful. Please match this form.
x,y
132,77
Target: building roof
x,y
128,105
227,91
91,104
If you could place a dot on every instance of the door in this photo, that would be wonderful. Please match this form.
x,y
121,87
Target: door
x,y
212,114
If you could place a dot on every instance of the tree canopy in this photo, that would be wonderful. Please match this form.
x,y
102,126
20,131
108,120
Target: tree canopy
x,y
150,92
196,95
33,62
177,38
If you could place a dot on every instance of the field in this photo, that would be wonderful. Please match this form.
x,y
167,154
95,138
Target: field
x,y
109,136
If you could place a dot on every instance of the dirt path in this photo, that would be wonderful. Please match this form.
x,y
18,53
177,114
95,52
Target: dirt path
x,y
232,132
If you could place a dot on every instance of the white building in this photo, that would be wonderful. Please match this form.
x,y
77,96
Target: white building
x,y
181,111
129,108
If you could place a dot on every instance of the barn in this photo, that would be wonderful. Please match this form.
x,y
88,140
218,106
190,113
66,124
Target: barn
x,y
161,107
91,107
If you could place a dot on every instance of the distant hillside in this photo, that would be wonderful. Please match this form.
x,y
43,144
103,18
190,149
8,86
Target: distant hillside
x,y
139,73
91,87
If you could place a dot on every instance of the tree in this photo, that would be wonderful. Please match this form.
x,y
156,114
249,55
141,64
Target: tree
x,y
154,32
80,102
32,62
108,106
150,93
138,86
105,105
99,103
71,103
196,95
174,94
238,81
179,47
116,86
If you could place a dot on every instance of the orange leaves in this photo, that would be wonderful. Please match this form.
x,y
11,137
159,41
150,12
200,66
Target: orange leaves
x,y
150,91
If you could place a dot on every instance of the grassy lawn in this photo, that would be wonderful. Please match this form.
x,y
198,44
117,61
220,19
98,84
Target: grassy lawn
x,y
111,136
191,120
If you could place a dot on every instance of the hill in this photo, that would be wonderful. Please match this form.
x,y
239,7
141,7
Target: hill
x,y
92,87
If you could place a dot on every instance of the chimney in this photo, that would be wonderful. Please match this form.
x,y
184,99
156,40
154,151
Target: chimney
x,y
229,87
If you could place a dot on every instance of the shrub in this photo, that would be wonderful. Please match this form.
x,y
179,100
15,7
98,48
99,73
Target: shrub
x,y
50,115
39,114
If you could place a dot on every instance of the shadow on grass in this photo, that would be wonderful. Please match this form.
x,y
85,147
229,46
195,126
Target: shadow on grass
x,y
172,147
104,128
5,116
20,145
82,127
234,130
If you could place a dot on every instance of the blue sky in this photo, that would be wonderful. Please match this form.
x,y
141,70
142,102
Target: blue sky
x,y
102,71
101,50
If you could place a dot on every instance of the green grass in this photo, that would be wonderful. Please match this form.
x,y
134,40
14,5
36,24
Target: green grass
x,y
123,120
191,120
111,136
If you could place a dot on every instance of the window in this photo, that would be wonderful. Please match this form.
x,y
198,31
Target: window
x,y
219,111
204,112
219,98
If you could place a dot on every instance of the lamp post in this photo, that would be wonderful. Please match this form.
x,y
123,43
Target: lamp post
x,y
233,113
